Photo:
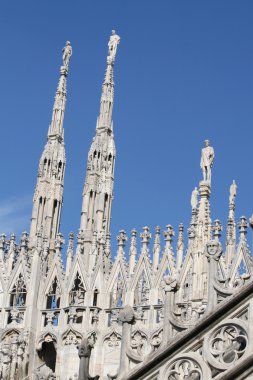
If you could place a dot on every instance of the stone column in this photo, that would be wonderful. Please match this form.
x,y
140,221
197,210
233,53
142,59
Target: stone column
x,y
126,316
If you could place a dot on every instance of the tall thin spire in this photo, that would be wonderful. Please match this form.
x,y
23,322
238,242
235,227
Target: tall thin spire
x,y
106,103
48,196
99,182
56,126
231,225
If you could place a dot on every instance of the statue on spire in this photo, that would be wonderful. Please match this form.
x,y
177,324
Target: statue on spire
x,y
206,162
66,54
112,45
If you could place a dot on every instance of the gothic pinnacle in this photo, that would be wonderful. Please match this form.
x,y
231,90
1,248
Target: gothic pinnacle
x,y
56,126
107,97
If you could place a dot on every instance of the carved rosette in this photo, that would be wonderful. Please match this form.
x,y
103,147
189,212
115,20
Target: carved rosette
x,y
226,344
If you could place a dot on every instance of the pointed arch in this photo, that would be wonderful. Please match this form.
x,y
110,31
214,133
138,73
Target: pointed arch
x,y
71,337
117,284
142,289
242,266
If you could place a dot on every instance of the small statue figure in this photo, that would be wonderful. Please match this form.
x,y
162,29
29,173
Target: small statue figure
x,y
206,162
66,54
113,43
194,198
232,195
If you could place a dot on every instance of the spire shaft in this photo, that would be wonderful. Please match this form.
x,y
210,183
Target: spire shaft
x,y
48,196
98,187
107,97
56,126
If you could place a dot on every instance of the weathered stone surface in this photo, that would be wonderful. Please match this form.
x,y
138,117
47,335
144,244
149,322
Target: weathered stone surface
x,y
180,310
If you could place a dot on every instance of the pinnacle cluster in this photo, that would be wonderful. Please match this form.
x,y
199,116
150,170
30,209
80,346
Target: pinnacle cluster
x,y
177,309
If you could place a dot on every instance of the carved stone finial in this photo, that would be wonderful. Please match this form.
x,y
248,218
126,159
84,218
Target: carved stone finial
x,y
145,235
232,195
168,235
108,244
79,241
121,239
157,233
133,236
194,198
157,239
127,314
13,238
251,221
243,226
217,228
180,241
24,239
171,284
59,241
132,250
2,241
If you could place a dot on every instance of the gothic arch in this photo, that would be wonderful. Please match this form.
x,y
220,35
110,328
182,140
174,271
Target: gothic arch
x,y
19,269
71,336
9,333
47,336
142,266
47,352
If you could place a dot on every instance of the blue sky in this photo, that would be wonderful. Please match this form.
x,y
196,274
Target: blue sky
x,y
184,72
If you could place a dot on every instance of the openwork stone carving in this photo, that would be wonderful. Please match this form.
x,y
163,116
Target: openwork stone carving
x,y
138,342
183,369
228,344
156,340
113,340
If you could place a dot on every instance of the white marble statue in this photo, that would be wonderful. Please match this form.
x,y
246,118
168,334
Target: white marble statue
x,y
66,54
206,162
112,44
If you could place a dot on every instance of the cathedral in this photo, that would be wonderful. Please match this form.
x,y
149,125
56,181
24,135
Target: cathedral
x,y
179,308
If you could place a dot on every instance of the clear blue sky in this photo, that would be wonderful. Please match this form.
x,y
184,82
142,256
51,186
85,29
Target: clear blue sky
x,y
184,72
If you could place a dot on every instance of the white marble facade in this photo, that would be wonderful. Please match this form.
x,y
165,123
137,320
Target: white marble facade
x,y
178,309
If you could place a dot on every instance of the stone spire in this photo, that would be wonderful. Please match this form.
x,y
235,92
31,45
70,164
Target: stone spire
x,y
47,202
156,249
204,223
70,253
56,126
132,252
106,103
99,182
231,225
180,246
